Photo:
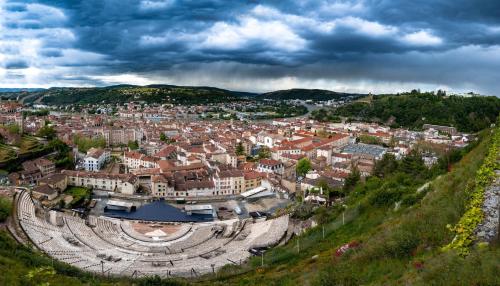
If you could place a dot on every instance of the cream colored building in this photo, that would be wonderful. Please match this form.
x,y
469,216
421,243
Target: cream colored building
x,y
230,182
160,187
134,160
120,183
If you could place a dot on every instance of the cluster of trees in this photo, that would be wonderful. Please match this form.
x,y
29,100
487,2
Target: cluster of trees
x,y
42,112
287,110
85,143
329,191
323,114
397,180
47,132
63,157
412,110
240,150
412,165
166,139
303,167
133,145
280,110
352,179
264,153
392,180
367,139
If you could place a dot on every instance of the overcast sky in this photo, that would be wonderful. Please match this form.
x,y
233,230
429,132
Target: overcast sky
x,y
358,46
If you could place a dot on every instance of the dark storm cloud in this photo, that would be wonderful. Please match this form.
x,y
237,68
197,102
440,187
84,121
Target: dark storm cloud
x,y
51,53
16,64
462,22
397,42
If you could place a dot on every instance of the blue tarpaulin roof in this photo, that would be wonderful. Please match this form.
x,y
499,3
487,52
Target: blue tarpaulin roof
x,y
158,211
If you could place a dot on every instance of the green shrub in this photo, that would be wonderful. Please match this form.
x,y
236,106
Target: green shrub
x,y
5,208
385,197
401,243
303,211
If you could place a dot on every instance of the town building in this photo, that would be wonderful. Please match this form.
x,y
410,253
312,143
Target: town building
x,y
95,159
120,183
229,182
270,166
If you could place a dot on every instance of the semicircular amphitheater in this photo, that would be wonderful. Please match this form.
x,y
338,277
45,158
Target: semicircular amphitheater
x,y
129,248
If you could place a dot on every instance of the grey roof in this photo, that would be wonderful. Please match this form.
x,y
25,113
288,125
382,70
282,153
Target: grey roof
x,y
373,150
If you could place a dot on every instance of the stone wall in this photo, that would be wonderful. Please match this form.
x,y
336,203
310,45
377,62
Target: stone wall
x,y
488,229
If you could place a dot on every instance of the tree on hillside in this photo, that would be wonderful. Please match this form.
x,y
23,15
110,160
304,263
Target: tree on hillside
x,y
387,165
322,215
264,153
303,167
63,158
413,165
166,139
239,149
133,145
59,146
367,139
47,132
85,143
352,179
329,191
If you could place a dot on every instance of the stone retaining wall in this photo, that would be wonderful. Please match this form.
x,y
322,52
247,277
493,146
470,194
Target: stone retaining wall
x,y
488,229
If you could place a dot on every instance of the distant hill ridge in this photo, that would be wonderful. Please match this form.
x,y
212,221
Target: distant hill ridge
x,y
307,94
20,89
160,93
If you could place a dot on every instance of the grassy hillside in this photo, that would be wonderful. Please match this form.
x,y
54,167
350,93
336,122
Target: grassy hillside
x,y
396,247
306,94
468,114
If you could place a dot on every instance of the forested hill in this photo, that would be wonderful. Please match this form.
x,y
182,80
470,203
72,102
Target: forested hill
x,y
412,110
150,94
306,94
162,94
2,90
126,93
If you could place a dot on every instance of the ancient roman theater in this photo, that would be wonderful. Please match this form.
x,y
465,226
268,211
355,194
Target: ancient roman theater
x,y
130,248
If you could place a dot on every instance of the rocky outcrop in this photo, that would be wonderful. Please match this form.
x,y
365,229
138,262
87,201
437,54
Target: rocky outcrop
x,y
488,229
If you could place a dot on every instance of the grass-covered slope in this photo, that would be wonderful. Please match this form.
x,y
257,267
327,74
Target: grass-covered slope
x,y
412,110
396,247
